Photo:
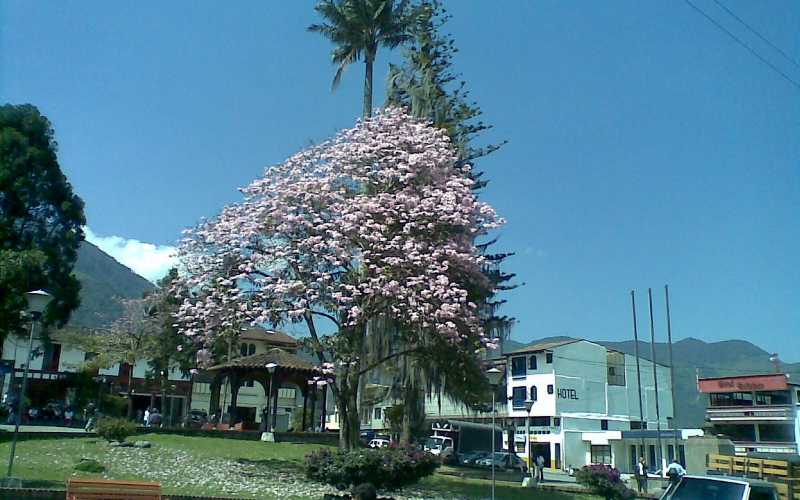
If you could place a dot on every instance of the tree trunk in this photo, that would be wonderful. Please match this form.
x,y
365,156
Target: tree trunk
x,y
130,392
368,61
409,400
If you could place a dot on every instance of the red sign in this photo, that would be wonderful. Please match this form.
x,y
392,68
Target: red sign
x,y
775,382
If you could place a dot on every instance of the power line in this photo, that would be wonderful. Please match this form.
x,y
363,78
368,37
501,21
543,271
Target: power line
x,y
756,33
743,44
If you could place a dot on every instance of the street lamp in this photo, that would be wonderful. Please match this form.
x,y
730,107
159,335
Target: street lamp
x,y
37,303
528,407
494,375
271,369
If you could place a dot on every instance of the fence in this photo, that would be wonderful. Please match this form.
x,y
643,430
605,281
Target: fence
x,y
782,473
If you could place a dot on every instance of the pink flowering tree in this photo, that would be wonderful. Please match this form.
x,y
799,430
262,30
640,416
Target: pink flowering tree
x,y
374,227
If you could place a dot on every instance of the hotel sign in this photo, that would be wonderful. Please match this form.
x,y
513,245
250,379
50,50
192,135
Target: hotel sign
x,y
776,382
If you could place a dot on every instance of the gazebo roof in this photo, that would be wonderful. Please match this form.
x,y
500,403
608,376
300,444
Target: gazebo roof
x,y
273,337
279,356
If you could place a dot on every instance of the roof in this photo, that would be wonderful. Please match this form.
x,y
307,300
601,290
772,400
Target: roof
x,y
273,337
278,356
543,346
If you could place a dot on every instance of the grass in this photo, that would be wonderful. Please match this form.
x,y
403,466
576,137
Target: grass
x,y
220,467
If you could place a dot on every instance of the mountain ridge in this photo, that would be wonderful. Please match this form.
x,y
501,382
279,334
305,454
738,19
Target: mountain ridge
x,y
104,283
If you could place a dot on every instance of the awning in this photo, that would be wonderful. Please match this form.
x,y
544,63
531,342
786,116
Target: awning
x,y
601,438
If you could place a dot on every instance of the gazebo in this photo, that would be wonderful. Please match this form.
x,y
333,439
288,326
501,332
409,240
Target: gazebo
x,y
289,368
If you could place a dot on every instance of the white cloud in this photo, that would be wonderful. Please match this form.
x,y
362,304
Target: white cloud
x,y
146,259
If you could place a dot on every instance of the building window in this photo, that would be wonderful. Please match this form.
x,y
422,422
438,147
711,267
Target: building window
x,y
615,362
532,362
548,357
651,462
670,453
557,421
286,393
549,388
251,349
534,395
766,398
519,446
52,357
377,413
243,349
250,383
731,399
601,454
518,366
682,455
518,397
604,425
636,424
540,421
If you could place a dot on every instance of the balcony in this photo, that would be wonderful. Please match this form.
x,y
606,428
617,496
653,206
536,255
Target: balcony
x,y
750,413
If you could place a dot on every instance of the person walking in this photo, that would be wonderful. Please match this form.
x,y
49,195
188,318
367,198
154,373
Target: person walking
x,y
147,417
641,476
540,468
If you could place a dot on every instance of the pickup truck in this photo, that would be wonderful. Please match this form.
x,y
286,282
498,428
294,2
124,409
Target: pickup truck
x,y
720,488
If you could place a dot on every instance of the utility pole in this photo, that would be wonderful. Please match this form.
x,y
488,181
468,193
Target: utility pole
x,y
655,381
671,375
643,420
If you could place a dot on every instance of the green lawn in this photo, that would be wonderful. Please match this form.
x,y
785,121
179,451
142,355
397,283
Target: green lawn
x,y
220,467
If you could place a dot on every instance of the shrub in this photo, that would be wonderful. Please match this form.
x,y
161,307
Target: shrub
x,y
385,468
90,465
115,429
604,481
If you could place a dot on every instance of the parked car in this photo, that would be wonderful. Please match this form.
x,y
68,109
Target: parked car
x,y
503,460
197,418
379,443
472,457
720,488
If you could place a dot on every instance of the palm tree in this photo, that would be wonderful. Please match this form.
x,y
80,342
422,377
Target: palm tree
x,y
357,28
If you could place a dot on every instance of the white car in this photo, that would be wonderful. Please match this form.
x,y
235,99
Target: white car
x,y
379,443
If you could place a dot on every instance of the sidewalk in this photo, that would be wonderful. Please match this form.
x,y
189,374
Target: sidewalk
x,y
42,428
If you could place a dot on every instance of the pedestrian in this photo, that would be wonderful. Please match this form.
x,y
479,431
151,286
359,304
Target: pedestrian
x,y
89,414
540,468
68,415
675,472
641,476
155,418
147,417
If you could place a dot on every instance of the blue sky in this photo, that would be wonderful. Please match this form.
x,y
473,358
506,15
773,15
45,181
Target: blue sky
x,y
645,146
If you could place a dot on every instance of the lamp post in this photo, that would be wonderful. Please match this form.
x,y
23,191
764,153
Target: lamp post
x,y
528,407
37,303
324,384
494,376
271,369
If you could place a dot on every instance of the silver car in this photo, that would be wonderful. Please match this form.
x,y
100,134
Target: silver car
x,y
720,488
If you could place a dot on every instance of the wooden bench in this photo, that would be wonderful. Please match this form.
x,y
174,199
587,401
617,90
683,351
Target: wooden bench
x,y
100,489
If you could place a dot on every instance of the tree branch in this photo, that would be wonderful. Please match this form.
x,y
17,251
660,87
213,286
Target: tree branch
x,y
388,357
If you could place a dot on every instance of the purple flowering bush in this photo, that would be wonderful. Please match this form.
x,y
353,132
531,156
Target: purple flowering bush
x,y
604,481
384,468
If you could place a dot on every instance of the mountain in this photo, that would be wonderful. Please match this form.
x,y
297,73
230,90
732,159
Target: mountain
x,y
104,281
695,357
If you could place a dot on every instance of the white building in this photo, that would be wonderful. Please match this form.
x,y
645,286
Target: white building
x,y
586,406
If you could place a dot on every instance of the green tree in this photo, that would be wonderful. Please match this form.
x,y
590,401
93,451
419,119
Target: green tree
x,y
358,28
168,349
40,219
428,86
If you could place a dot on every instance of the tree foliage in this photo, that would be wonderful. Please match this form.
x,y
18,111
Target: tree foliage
x,y
377,224
40,219
427,85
